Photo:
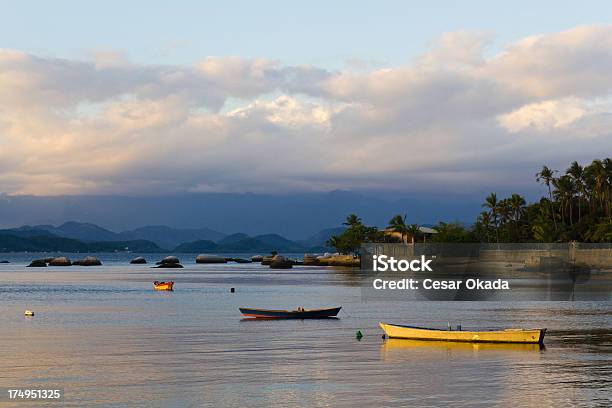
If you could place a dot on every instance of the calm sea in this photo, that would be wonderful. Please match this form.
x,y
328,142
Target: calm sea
x,y
105,337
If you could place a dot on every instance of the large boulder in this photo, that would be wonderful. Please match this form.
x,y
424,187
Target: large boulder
x,y
37,263
267,260
88,261
169,265
311,260
138,260
60,261
208,258
257,258
280,262
342,260
4,261
171,259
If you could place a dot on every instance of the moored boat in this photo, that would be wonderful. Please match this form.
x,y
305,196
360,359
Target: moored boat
x,y
299,313
157,285
396,331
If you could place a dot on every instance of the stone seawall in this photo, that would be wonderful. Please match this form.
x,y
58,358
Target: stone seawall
x,y
530,254
519,255
593,255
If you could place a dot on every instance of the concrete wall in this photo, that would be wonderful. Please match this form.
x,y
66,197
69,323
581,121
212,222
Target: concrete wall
x,y
519,255
597,256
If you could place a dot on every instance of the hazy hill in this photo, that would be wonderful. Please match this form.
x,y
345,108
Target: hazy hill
x,y
82,231
168,237
320,238
201,246
233,238
243,243
9,242
162,236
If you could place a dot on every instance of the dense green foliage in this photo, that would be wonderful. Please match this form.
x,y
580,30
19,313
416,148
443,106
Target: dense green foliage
x,y
578,207
355,234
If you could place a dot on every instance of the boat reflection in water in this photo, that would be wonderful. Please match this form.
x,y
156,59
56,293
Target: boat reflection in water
x,y
403,350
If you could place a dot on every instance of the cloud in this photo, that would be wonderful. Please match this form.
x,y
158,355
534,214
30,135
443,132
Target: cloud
x,y
454,119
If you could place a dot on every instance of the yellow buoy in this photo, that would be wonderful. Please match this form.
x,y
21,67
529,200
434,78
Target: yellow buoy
x,y
28,313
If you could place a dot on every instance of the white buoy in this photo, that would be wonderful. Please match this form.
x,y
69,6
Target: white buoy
x,y
28,313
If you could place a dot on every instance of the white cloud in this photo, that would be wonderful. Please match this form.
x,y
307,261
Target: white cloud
x,y
452,119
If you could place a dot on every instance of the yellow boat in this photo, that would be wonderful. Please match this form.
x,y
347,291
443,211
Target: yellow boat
x,y
396,331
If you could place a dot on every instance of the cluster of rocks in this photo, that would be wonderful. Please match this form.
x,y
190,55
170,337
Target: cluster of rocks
x,y
332,260
274,261
64,261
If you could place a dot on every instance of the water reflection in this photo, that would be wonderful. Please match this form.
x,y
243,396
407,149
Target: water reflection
x,y
392,348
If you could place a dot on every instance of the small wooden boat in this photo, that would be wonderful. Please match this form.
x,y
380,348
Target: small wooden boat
x,y
396,331
299,313
157,285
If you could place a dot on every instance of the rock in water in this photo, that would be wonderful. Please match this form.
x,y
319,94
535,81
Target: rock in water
x,y
170,260
60,261
88,261
257,258
280,262
138,260
207,258
310,259
169,265
37,263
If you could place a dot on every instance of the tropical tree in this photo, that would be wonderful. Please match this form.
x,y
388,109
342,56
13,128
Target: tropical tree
x,y
546,176
576,172
398,224
517,205
493,205
415,231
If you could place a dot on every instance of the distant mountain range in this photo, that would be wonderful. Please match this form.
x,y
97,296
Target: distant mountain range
x,y
162,236
75,236
294,216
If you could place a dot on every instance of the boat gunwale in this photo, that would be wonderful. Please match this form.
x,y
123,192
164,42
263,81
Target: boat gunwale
x,y
540,338
289,311
461,331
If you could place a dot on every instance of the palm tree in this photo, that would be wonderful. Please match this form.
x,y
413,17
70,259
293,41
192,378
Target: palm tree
x,y
414,230
546,176
398,224
492,204
352,220
607,163
485,220
564,193
577,173
517,203
598,175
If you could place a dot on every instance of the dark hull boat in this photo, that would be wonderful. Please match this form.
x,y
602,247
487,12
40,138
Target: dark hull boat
x,y
300,313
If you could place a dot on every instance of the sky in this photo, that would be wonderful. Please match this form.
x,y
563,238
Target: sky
x,y
165,97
